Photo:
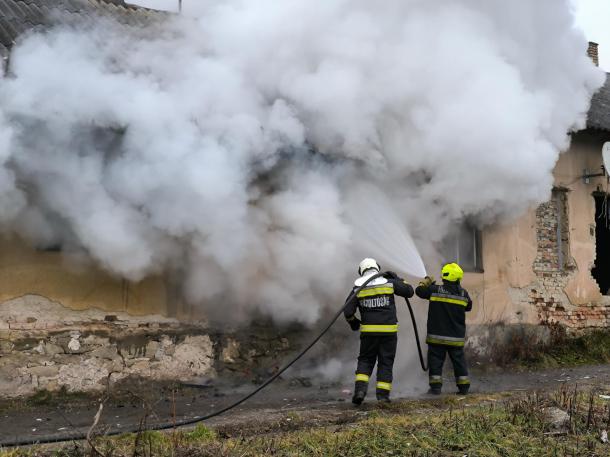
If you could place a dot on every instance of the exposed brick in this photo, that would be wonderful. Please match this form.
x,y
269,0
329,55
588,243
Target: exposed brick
x,y
553,268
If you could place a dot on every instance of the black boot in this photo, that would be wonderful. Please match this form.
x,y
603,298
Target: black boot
x,y
383,396
435,390
359,392
463,389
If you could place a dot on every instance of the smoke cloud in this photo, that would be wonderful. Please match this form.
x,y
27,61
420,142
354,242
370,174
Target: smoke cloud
x,y
227,145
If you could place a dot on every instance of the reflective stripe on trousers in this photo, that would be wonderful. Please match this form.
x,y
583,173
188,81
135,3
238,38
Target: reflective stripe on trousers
x,y
384,385
434,379
362,377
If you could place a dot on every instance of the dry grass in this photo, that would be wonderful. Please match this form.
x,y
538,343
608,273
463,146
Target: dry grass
x,y
498,425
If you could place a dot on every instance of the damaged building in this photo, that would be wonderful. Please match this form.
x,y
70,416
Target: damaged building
x,y
74,326
65,325
552,266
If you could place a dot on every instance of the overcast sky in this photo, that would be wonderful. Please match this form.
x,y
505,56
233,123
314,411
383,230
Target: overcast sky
x,y
593,16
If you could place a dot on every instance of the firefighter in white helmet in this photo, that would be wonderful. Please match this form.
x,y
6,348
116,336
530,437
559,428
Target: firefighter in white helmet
x,y
378,327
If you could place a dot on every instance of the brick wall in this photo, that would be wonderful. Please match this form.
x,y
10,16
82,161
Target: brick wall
x,y
593,52
551,226
554,266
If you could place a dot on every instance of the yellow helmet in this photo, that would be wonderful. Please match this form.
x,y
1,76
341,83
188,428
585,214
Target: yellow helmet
x,y
452,272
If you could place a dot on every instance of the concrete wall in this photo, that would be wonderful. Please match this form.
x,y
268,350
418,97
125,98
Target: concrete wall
x,y
522,283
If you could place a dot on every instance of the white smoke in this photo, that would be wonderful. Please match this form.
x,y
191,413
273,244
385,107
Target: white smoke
x,y
224,146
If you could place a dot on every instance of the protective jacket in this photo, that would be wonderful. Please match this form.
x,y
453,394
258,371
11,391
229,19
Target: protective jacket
x,y
449,303
376,305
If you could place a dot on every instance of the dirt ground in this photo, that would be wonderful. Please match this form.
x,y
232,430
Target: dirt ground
x,y
321,403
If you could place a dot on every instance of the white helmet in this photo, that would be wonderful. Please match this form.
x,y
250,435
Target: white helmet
x,y
367,264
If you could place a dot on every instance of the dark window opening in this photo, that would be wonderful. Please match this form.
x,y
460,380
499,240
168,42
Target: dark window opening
x,y
601,270
464,246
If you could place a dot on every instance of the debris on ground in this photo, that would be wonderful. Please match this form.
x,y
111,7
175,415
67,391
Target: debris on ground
x,y
557,418
301,381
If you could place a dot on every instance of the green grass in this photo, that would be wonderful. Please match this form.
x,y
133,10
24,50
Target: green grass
x,y
485,426
200,434
44,398
589,349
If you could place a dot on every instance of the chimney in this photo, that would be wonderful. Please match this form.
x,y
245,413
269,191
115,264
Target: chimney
x,y
593,52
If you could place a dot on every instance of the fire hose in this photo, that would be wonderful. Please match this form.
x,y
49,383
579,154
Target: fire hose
x,y
79,435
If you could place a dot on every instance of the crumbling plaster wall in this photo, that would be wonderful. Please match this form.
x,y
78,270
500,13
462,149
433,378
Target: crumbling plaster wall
x,y
76,286
68,325
522,285
585,153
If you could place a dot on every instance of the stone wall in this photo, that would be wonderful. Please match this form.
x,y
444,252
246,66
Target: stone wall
x,y
45,346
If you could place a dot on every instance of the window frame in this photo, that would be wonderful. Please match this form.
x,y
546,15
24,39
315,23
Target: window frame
x,y
477,247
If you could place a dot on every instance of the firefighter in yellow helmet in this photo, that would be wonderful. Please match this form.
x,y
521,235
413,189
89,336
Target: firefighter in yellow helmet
x,y
449,304
378,327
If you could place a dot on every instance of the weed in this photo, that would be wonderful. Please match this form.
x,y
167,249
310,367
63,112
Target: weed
x,y
200,434
523,349
489,426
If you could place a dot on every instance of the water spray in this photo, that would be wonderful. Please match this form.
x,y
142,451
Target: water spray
x,y
378,228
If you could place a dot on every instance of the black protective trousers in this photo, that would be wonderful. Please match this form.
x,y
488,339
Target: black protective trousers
x,y
380,349
436,359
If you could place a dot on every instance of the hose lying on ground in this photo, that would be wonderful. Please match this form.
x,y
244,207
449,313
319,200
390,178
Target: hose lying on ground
x,y
78,435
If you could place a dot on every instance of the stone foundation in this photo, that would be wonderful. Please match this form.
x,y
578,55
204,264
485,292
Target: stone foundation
x,y
44,346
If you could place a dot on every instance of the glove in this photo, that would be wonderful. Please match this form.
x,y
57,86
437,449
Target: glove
x,y
427,282
354,323
390,275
